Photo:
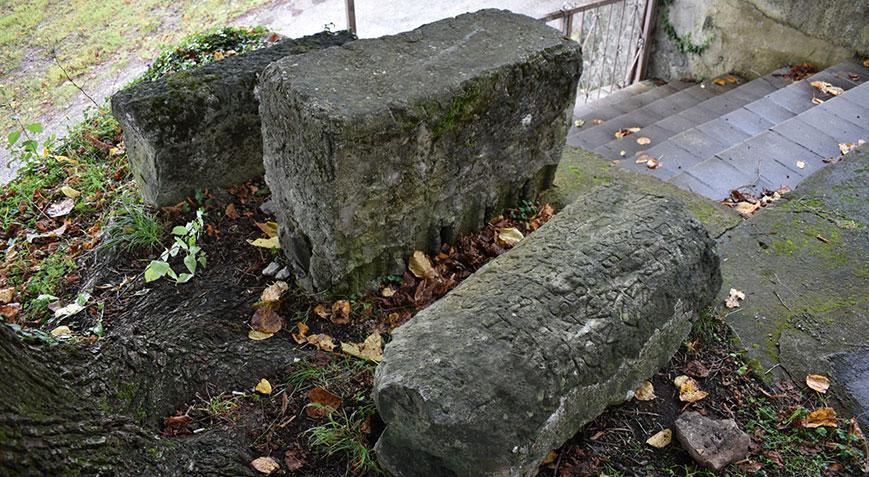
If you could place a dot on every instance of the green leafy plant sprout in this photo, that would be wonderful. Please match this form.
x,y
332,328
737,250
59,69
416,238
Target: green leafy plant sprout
x,y
27,150
185,237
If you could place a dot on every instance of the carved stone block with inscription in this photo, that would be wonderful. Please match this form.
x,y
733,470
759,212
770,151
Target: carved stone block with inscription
x,y
538,342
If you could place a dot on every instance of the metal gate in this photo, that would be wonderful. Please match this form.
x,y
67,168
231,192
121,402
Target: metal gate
x,y
614,35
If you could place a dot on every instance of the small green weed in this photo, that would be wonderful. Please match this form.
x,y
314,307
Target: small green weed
x,y
185,239
342,434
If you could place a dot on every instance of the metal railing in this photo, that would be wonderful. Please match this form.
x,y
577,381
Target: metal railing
x,y
614,35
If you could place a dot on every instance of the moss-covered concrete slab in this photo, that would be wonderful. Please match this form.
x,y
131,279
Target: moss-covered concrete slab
x,y
803,265
582,173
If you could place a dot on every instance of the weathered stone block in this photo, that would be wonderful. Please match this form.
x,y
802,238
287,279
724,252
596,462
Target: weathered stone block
x,y
402,142
200,128
511,363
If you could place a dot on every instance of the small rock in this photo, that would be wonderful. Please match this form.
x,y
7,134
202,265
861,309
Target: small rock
x,y
713,443
271,269
268,207
283,274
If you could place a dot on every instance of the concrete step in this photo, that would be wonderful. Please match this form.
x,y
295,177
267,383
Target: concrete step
x,y
651,113
788,152
584,108
620,102
682,154
704,112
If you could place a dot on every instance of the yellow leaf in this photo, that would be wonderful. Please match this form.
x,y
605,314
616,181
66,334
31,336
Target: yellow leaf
x,y
258,335
822,417
371,349
302,336
419,264
643,140
265,465
340,312
387,292
61,331
746,209
825,87
322,341
263,387
661,439
509,236
271,242
733,298
273,292
646,392
268,228
689,390
70,192
801,164
818,382
6,295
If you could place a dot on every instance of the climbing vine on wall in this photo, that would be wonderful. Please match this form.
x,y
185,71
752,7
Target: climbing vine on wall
x,y
683,43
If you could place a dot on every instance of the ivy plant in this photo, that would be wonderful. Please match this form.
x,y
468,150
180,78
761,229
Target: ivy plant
x,y
185,238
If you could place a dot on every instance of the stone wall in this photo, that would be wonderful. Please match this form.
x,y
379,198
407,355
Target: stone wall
x,y
754,37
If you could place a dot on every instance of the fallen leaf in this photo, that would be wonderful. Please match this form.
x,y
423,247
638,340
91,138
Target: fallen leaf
x,y
649,160
661,439
271,242
322,341
263,387
6,295
324,402
689,390
866,63
61,331
550,458
419,264
646,392
822,417
268,228
230,212
801,164
387,292
854,429
302,336
321,311
623,153
509,236
265,320
847,147
293,459
746,209
733,298
69,192
817,100
597,122
56,233
643,140
371,349
818,382
340,312
626,132
695,368
265,465
10,311
59,209
825,87
653,163
258,335
579,123
273,292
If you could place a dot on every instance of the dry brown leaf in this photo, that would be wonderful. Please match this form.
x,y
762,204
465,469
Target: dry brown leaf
x,y
661,439
258,335
822,417
268,228
733,298
387,292
6,295
817,100
695,368
265,465
825,87
322,341
263,386
818,382
646,392
324,402
340,312
626,132
10,311
854,429
801,164
230,212
419,264
746,209
866,63
294,459
653,163
302,336
643,141
271,242
273,292
847,147
61,331
59,209
689,390
321,312
509,236
265,320
371,349
597,122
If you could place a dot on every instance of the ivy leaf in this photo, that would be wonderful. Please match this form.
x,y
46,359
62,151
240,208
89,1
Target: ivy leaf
x,y
156,270
190,263
13,137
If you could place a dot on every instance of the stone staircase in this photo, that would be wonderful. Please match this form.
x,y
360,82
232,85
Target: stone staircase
x,y
716,136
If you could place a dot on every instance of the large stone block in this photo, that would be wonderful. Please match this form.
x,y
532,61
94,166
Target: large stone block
x,y
200,128
398,143
511,363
